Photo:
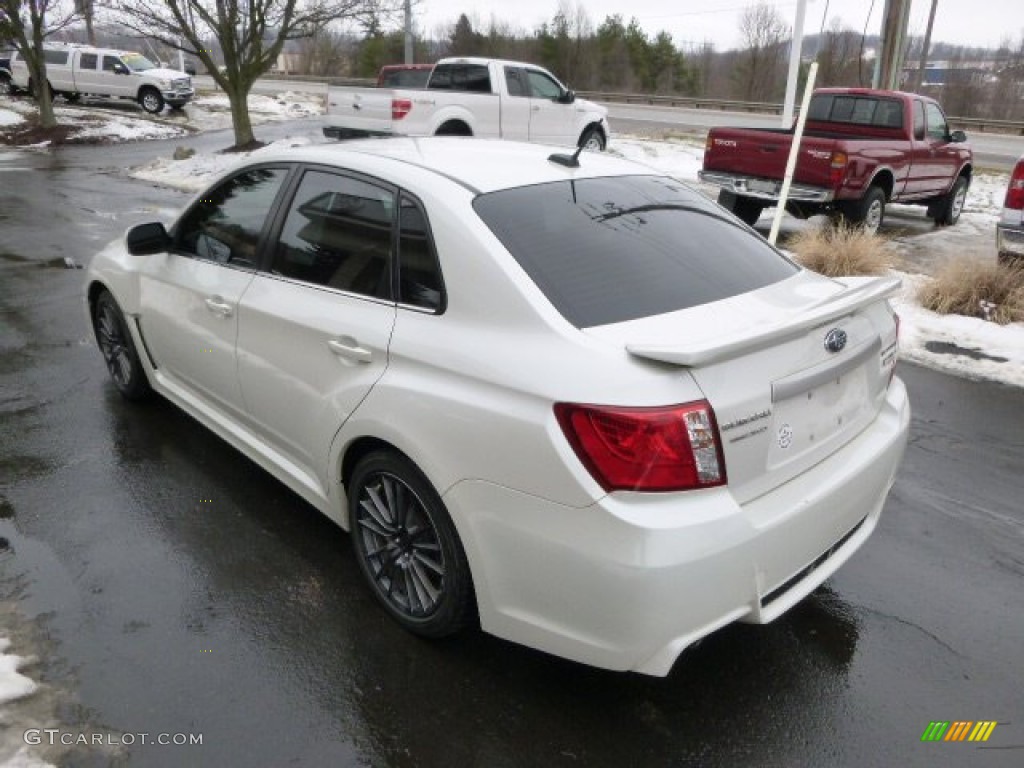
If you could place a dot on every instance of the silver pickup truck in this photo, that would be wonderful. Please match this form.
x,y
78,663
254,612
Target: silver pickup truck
x,y
488,98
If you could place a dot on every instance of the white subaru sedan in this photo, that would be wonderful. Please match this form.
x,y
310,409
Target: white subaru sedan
x,y
569,399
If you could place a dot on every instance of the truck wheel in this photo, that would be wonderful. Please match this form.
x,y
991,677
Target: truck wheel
x,y
71,98
151,100
747,209
593,140
953,204
868,212
454,128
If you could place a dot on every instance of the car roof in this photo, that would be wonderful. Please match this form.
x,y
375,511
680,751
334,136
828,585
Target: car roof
x,y
483,61
481,165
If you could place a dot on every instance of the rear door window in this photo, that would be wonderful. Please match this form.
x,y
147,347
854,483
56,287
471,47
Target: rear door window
x,y
461,77
609,250
87,61
56,58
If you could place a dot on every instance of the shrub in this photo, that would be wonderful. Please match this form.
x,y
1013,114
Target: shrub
x,y
841,250
974,288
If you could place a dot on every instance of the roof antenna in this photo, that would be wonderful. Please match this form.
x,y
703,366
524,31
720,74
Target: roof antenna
x,y
569,161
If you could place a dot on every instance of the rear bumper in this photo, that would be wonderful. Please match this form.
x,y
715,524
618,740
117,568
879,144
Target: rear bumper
x,y
631,581
765,189
1010,240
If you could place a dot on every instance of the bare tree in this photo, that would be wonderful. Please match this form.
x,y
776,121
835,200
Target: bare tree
x,y
837,58
764,33
29,23
87,10
250,33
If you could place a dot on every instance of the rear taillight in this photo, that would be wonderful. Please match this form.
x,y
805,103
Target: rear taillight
x,y
837,168
1015,194
400,108
671,448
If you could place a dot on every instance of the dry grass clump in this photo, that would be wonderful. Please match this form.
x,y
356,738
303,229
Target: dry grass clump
x,y
984,289
841,250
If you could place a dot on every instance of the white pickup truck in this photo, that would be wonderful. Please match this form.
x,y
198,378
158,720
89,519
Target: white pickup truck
x,y
488,98
74,70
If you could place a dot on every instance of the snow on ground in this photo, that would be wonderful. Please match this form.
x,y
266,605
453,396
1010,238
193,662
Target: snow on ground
x,y
9,117
946,342
195,173
14,686
117,120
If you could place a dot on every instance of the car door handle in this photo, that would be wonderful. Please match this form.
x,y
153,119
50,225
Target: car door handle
x,y
349,349
535,108
218,306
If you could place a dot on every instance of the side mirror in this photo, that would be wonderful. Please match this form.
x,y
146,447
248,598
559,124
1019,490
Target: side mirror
x,y
958,137
146,239
121,69
568,96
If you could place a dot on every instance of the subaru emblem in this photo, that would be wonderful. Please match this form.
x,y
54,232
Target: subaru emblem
x,y
835,340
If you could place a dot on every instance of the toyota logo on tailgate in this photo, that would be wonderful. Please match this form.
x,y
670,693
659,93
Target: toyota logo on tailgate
x,y
835,340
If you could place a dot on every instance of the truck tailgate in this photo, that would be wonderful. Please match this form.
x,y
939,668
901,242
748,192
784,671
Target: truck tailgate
x,y
762,154
360,109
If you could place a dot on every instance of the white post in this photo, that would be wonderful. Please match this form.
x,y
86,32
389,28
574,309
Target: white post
x,y
794,152
408,32
794,64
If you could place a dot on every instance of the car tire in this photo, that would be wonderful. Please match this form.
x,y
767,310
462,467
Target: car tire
x,y
746,209
868,213
593,140
118,349
407,548
953,203
151,101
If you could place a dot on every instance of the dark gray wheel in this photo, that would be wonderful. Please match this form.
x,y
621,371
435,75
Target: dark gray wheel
x,y
953,203
407,547
118,350
868,212
151,100
747,209
593,140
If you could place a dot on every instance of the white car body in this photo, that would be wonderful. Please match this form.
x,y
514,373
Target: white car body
x,y
498,113
624,580
83,70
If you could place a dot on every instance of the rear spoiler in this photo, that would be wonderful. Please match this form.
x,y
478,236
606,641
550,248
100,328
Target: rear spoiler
x,y
731,345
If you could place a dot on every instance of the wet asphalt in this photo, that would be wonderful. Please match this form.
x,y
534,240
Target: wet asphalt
x,y
168,585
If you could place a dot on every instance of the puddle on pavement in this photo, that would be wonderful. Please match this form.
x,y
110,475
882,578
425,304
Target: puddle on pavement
x,y
949,348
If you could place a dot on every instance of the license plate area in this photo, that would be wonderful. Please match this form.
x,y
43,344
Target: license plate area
x,y
763,187
812,420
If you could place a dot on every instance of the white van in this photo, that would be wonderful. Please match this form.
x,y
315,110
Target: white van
x,y
74,70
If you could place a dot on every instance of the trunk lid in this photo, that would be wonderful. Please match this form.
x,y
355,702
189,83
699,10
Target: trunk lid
x,y
793,371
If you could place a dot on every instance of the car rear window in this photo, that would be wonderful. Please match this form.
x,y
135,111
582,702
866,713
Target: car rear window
x,y
607,250
856,110
404,78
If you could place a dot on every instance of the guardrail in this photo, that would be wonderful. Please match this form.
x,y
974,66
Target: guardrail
x,y
981,124
984,125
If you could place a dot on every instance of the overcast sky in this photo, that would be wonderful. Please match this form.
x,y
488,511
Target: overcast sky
x,y
691,22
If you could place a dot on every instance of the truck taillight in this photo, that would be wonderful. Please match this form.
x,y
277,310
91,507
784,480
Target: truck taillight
x,y
1015,193
670,448
838,167
708,144
400,108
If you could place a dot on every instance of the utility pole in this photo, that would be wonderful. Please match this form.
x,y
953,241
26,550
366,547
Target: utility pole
x,y
408,31
794,64
919,77
894,31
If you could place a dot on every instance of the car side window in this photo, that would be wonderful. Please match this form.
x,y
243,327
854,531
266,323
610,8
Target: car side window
x,y
57,58
338,234
225,225
419,275
111,64
919,123
87,61
937,128
542,86
514,82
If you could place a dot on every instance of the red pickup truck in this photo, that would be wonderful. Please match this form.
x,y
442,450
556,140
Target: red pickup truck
x,y
861,149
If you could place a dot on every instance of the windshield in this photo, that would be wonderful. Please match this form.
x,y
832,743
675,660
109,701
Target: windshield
x,y
607,250
136,62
